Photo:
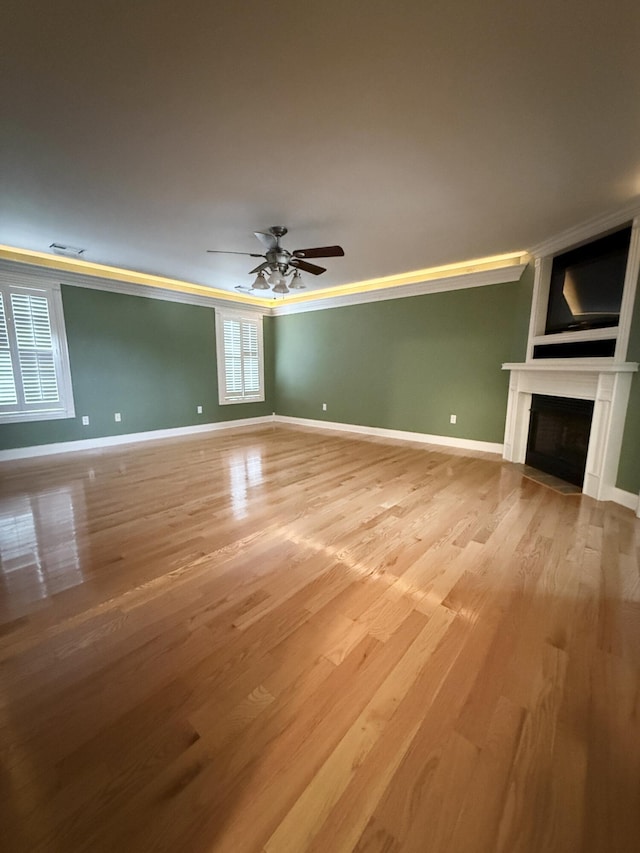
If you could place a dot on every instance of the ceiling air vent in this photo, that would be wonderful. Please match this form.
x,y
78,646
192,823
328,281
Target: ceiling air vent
x,y
69,251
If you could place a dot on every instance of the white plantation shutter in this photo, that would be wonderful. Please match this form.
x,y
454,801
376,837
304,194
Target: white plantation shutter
x,y
232,333
240,357
251,358
8,396
35,348
34,371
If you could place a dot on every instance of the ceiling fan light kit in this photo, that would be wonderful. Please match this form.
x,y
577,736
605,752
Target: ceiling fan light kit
x,y
280,262
296,282
276,277
260,283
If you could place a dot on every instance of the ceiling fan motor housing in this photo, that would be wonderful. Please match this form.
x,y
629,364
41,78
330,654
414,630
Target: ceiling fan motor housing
x,y
279,257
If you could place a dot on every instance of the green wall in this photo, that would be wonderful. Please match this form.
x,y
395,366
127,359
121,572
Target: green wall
x,y
629,467
403,364
151,360
409,363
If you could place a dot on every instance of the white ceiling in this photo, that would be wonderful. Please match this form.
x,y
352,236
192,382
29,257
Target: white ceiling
x,y
412,133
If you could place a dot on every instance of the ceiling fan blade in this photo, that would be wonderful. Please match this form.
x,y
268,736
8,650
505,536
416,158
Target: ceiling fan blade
x,y
303,265
260,267
320,252
224,252
267,240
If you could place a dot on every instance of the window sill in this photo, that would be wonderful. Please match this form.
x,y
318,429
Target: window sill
x,y
24,417
241,400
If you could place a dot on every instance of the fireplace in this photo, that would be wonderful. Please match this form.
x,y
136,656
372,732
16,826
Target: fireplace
x,y
558,440
604,385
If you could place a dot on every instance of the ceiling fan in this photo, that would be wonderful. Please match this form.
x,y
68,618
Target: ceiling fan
x,y
280,262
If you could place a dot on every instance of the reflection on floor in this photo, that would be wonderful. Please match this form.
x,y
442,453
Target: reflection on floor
x,y
548,480
288,641
27,571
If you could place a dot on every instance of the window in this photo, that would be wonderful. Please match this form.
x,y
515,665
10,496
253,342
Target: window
x,y
35,381
240,357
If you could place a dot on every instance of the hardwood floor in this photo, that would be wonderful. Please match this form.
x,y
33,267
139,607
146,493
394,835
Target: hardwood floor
x,y
291,641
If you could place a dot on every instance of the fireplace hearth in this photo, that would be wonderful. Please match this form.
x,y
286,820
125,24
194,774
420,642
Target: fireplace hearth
x,y
558,441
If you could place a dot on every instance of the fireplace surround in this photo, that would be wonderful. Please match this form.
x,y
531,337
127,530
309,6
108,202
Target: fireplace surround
x,y
607,385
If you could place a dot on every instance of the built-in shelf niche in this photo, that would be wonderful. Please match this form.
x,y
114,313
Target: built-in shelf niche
x,y
608,343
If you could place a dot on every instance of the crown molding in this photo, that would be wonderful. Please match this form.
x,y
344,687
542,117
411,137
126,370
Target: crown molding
x,y
510,272
587,230
499,275
37,272
106,272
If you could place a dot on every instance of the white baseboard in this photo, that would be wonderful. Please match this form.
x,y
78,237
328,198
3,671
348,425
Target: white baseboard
x,y
619,496
128,438
628,499
402,435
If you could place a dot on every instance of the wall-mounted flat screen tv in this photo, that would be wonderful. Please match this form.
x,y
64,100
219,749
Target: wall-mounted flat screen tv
x,y
587,283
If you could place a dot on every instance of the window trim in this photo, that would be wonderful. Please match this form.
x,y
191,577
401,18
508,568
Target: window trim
x,y
223,314
53,294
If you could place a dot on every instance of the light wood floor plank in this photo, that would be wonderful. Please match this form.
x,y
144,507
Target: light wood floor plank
x,y
283,640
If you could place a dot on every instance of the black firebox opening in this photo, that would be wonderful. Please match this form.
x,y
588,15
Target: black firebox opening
x,y
559,436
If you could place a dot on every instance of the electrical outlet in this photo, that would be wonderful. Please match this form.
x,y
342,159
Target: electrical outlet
x,y
85,420
117,417
324,407
199,410
453,419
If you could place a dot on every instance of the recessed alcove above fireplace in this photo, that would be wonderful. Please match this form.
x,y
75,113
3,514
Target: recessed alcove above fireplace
x,y
583,296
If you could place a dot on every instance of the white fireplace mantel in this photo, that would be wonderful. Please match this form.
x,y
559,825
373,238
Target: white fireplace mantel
x,y
606,383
